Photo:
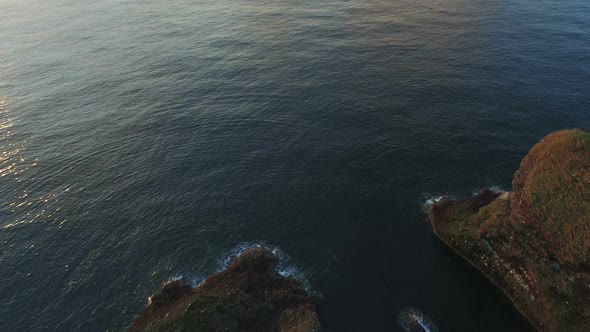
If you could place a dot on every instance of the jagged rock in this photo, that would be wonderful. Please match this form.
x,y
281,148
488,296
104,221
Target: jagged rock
x,y
250,295
533,243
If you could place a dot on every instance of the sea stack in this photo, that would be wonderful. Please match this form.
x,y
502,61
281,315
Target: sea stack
x,y
533,242
250,295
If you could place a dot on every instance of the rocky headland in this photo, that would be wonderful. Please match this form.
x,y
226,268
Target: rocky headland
x,y
533,242
250,295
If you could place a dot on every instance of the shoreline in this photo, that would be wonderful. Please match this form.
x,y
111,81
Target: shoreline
x,y
531,243
486,276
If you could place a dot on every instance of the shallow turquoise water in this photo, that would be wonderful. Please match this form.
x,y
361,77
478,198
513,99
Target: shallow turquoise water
x,y
141,140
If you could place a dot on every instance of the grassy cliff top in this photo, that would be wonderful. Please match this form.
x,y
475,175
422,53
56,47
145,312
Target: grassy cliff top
x,y
552,194
533,243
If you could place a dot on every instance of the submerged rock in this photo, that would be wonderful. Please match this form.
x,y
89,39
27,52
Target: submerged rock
x,y
250,295
534,242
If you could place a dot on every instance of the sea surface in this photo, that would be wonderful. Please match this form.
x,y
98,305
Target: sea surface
x,y
145,140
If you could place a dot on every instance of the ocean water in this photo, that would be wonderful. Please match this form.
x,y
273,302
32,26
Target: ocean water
x,y
145,140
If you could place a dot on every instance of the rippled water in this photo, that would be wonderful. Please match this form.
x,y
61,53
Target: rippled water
x,y
143,140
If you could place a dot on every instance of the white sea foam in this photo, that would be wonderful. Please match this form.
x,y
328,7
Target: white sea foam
x,y
285,267
496,189
192,279
407,316
224,262
428,200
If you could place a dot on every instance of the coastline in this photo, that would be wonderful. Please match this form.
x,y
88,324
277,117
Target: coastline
x,y
502,235
249,294
532,242
488,277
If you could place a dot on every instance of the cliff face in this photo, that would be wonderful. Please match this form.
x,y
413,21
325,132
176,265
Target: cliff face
x,y
534,242
249,295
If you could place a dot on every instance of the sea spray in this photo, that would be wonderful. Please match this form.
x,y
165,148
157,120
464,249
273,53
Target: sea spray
x,y
427,200
285,267
192,279
495,189
413,320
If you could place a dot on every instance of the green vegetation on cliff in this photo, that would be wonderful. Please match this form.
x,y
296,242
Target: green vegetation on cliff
x,y
533,243
552,193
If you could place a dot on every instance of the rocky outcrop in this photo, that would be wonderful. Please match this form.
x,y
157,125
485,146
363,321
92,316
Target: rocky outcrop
x,y
533,242
250,295
413,320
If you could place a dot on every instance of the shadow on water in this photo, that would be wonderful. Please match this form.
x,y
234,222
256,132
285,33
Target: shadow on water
x,y
392,268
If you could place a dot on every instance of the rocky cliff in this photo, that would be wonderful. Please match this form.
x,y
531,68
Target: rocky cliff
x,y
250,295
533,242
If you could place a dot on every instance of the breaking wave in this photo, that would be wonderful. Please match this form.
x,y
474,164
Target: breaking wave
x,y
496,189
285,267
413,320
193,279
428,200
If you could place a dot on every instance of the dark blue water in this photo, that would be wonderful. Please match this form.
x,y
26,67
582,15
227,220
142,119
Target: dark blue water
x,y
143,140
